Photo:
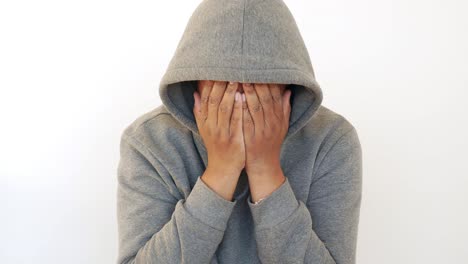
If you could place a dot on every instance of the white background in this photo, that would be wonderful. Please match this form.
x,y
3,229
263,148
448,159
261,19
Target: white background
x,y
73,74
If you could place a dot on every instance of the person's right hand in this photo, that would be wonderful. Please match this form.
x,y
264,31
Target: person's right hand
x,y
219,121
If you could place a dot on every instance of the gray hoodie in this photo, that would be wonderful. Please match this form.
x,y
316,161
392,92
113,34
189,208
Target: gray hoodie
x,y
166,214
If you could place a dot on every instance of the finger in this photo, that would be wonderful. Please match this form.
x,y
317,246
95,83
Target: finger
x,y
225,108
266,100
255,107
236,118
213,103
248,127
277,100
207,85
197,109
287,105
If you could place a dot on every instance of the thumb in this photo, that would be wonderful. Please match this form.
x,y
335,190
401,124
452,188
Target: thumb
x,y
287,104
236,117
196,106
196,97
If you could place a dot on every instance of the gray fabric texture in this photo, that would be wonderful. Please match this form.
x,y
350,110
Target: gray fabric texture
x,y
167,214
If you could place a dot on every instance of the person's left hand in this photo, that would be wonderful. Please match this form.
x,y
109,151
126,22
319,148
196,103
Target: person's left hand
x,y
265,125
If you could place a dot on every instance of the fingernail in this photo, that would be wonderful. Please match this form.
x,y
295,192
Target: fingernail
x,y
247,84
237,96
243,97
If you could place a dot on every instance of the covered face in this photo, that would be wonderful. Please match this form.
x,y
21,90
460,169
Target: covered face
x,y
260,43
200,85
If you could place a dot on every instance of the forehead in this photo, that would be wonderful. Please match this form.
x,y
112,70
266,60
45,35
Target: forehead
x,y
201,83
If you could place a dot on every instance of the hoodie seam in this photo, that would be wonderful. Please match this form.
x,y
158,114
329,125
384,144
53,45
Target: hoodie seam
x,y
242,44
314,179
147,149
143,147
214,67
135,130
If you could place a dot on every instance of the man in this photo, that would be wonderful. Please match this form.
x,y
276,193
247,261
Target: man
x,y
202,181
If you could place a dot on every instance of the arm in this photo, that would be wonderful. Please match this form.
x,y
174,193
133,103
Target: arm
x,y
325,229
156,227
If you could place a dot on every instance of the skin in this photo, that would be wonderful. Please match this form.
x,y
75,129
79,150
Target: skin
x,y
247,133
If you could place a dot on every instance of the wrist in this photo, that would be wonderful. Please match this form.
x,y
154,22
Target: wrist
x,y
261,187
265,171
257,201
221,183
223,171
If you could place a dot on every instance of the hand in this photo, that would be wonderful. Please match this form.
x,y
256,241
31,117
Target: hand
x,y
265,125
219,121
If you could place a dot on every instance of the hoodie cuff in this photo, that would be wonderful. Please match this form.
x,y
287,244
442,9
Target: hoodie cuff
x,y
275,208
208,206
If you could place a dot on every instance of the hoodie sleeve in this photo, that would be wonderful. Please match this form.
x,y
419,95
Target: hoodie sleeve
x,y
156,227
324,230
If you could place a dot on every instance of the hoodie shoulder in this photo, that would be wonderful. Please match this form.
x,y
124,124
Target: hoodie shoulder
x,y
156,121
328,125
329,130
328,116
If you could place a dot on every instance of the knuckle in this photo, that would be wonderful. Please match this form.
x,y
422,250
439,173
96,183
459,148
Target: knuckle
x,y
224,108
277,98
248,120
249,89
202,117
214,99
257,107
209,83
231,89
266,99
221,83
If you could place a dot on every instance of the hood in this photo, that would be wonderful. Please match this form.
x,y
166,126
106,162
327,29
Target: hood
x,y
254,41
